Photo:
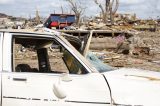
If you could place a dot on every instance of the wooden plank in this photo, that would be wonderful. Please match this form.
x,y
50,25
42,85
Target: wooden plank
x,y
88,44
88,31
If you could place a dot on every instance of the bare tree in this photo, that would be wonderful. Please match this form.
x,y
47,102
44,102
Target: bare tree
x,y
77,9
62,9
108,10
104,10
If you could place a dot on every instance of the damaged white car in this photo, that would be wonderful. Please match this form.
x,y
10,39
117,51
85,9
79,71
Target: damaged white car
x,y
32,74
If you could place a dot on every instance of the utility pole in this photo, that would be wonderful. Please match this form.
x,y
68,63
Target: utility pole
x,y
37,19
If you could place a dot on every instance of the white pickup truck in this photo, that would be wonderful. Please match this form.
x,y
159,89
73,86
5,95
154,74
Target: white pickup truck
x,y
31,74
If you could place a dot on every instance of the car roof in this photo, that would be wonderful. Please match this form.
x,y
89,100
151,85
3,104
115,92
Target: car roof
x,y
24,31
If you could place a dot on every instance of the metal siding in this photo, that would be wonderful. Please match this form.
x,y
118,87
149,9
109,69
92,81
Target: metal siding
x,y
69,19
54,18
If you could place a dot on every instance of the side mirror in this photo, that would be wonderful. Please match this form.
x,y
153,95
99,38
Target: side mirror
x,y
59,91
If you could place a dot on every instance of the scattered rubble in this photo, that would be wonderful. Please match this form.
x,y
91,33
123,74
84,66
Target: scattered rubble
x,y
141,50
10,22
144,53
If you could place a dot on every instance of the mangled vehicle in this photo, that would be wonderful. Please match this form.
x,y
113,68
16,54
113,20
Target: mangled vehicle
x,y
32,74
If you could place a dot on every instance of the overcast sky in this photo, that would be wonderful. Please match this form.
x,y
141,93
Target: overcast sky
x,y
26,8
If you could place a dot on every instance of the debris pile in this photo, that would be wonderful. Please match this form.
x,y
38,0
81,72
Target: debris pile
x,y
144,53
122,22
10,22
141,50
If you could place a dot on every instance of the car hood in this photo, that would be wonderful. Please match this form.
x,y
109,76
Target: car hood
x,y
134,87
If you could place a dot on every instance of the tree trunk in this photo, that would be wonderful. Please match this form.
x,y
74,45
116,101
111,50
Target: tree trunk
x,y
105,17
111,15
78,20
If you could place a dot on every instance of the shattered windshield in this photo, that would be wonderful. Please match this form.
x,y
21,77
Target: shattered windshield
x,y
95,61
98,64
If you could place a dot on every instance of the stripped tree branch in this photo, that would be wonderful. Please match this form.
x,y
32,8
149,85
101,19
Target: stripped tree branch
x,y
77,9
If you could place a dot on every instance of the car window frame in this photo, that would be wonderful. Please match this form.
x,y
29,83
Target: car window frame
x,y
1,43
60,42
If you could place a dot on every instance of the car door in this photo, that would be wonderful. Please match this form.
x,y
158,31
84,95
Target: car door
x,y
86,90
83,88
38,88
25,88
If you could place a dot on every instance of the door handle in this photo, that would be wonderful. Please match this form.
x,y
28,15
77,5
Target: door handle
x,y
19,79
